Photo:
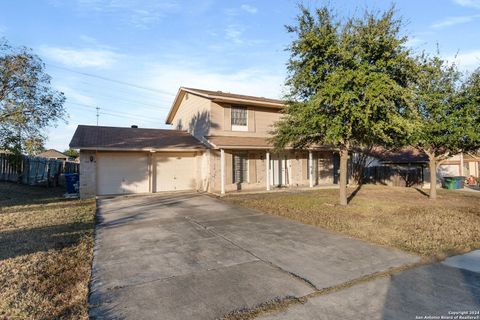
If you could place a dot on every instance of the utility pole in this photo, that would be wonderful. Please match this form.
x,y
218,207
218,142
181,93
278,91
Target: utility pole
x,y
98,114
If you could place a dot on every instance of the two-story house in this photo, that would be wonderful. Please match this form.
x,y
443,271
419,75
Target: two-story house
x,y
219,143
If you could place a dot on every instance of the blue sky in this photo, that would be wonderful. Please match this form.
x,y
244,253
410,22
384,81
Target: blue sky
x,y
233,46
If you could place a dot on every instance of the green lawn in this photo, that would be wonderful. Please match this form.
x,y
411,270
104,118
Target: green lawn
x,y
45,253
398,217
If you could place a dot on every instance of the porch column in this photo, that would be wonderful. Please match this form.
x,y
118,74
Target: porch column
x,y
310,167
461,164
222,171
267,170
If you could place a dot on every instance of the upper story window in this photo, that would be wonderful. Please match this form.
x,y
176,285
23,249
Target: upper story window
x,y
239,118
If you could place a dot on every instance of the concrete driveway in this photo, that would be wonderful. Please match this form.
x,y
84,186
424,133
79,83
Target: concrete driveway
x,y
191,256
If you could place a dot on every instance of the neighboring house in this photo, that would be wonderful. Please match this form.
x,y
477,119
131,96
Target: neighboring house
x,y
53,154
219,144
464,164
403,168
459,165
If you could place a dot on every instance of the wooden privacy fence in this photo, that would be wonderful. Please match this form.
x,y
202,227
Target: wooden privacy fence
x,y
34,170
397,176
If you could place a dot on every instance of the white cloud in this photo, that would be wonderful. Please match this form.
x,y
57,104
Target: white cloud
x,y
248,8
137,13
73,95
413,42
451,21
467,60
234,32
237,11
468,3
81,57
141,18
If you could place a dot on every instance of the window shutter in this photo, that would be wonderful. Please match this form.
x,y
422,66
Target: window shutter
x,y
240,168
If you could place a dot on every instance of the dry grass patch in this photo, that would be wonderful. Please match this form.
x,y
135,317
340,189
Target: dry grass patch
x,y
398,217
45,253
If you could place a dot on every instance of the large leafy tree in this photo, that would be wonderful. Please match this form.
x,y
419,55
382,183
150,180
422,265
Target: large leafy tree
x,y
28,103
72,153
447,113
348,83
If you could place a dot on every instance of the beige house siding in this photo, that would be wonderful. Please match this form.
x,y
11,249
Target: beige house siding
x,y
324,167
251,119
264,120
260,121
202,117
226,125
194,116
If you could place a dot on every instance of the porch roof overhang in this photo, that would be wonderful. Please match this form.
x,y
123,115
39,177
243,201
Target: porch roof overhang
x,y
152,150
247,143
236,142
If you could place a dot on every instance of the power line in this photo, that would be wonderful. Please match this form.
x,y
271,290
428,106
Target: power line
x,y
123,117
121,99
112,80
117,113
103,87
112,110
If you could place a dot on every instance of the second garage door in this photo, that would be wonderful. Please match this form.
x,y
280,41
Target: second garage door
x,y
175,171
122,173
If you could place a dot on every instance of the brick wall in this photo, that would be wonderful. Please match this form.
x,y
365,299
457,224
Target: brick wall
x,y
88,183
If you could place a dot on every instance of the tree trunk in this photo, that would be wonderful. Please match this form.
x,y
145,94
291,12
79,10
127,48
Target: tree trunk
x,y
433,177
343,176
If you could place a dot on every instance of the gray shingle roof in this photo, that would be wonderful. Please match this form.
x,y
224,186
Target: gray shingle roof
x,y
235,96
404,155
121,138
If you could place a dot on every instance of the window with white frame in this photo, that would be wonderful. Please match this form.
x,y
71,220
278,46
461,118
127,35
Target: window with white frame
x,y
239,118
240,167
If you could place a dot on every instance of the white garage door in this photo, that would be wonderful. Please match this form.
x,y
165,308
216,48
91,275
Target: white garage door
x,y
122,173
175,171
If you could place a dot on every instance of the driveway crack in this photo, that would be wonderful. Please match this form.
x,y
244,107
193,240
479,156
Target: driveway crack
x,y
295,276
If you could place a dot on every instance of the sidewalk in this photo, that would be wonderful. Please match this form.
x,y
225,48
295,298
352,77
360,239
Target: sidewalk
x,y
435,290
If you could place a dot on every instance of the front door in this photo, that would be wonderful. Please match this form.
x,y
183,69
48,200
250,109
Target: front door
x,y
280,170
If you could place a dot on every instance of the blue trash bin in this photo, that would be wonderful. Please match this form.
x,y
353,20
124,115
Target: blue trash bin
x,y
459,182
71,180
